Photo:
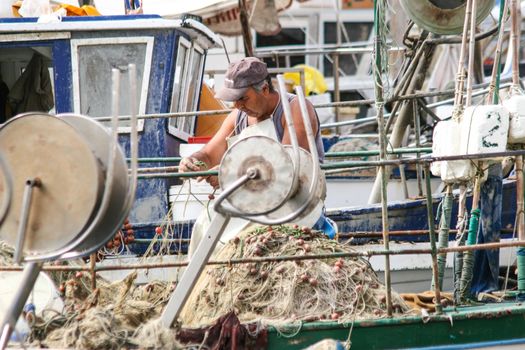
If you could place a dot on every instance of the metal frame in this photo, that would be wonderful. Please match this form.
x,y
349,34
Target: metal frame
x,y
193,49
179,79
148,59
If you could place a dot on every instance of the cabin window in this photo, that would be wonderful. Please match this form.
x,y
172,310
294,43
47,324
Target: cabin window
x,y
26,81
295,33
93,60
186,88
286,37
354,32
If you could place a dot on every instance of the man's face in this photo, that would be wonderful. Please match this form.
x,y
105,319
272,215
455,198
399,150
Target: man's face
x,y
252,103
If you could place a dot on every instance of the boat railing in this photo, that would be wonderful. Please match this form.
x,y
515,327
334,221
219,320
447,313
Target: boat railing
x,y
481,89
94,268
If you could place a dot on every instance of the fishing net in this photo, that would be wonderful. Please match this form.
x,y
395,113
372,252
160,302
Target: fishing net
x,y
6,254
279,292
276,292
112,316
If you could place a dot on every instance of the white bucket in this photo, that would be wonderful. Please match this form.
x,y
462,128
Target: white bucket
x,y
189,199
44,297
516,107
484,129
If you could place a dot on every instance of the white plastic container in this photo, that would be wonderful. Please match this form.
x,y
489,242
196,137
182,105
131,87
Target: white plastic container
x,y
44,296
446,142
189,199
484,129
438,135
516,107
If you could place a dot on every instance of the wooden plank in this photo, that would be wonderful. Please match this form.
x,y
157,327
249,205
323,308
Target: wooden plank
x,y
208,125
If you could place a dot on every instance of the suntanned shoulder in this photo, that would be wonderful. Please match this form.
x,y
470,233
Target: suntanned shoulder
x,y
295,107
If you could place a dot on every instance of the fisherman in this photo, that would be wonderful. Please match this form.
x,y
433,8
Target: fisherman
x,y
257,111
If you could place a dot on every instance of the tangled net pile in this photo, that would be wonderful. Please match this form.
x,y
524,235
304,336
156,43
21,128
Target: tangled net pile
x,y
114,315
6,254
283,291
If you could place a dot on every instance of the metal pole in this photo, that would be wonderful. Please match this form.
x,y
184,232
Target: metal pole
x,y
24,217
430,216
378,18
193,271
515,41
16,306
246,33
472,47
92,266
337,95
521,225
417,129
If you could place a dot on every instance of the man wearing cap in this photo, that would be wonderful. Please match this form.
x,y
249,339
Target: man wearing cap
x,y
257,111
248,85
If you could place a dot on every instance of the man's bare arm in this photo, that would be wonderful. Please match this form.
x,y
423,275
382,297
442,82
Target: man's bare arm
x,y
299,125
211,154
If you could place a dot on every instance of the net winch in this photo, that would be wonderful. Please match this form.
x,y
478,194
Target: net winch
x,y
70,192
263,181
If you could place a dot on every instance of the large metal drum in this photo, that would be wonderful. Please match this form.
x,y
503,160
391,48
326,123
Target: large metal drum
x,y
312,212
443,16
119,198
5,188
44,147
74,211
274,184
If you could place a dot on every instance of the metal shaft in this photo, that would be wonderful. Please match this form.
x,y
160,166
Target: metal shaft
x,y
193,271
24,217
29,277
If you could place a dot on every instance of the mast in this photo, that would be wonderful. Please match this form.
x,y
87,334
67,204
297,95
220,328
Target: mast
x,y
379,20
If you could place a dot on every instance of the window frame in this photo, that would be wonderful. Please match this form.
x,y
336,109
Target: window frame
x,y
173,123
148,59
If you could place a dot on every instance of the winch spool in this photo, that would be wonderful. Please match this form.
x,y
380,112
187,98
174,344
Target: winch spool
x,y
72,185
443,16
275,173
45,147
310,214
5,188
120,197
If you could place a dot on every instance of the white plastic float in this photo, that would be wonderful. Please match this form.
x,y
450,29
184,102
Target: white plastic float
x,y
516,107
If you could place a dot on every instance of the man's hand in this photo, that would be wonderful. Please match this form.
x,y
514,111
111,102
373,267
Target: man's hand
x,y
190,164
212,180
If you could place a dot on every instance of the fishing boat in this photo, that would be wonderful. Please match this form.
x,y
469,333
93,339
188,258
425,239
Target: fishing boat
x,y
170,56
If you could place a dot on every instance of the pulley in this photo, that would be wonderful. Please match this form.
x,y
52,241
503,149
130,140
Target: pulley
x,y
275,172
443,16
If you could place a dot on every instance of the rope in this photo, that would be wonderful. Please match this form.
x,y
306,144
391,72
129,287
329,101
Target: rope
x,y
468,256
444,228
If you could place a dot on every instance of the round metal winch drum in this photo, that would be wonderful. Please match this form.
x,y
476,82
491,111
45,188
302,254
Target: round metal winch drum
x,y
120,199
313,211
443,16
5,188
64,155
274,183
